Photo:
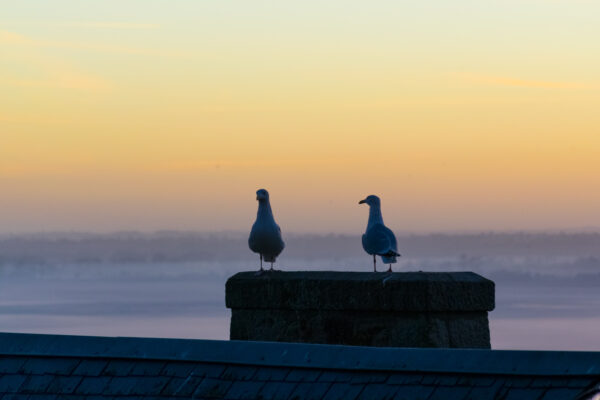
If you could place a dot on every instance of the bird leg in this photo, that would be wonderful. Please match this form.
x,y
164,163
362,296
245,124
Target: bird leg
x,y
261,268
271,265
374,264
390,270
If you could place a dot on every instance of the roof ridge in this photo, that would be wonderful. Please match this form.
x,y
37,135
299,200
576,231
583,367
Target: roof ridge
x,y
301,355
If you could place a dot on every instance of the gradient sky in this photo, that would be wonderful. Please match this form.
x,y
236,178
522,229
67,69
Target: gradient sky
x,y
462,115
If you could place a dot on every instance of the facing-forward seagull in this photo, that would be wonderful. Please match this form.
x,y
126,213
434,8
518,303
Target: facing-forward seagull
x,y
378,240
265,236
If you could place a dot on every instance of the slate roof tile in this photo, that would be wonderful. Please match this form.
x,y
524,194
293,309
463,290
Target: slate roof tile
x,y
118,368
447,392
466,381
343,391
11,383
149,385
369,377
518,382
500,381
147,368
541,382
49,365
310,390
559,382
11,365
236,372
524,394
129,398
92,385
188,386
560,394
404,379
335,376
172,387
429,380
485,392
89,397
36,384
447,380
98,397
277,390
156,398
580,382
211,388
63,384
473,380
212,370
90,367
244,390
378,391
15,396
120,386
179,369
413,392
42,396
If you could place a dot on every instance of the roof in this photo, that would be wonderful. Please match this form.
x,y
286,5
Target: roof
x,y
42,366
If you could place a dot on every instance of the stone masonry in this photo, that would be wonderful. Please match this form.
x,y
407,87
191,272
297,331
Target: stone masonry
x,y
411,309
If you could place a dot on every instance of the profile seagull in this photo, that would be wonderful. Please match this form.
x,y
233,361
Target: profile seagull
x,y
378,240
265,236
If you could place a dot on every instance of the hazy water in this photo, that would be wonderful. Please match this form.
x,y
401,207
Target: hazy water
x,y
541,303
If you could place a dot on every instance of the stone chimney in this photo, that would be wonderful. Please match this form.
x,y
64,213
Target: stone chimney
x,y
411,309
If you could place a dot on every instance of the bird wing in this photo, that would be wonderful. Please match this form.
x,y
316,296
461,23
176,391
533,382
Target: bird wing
x,y
393,243
280,239
379,240
253,239
273,245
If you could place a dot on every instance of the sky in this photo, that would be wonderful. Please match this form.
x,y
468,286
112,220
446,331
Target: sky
x,y
148,115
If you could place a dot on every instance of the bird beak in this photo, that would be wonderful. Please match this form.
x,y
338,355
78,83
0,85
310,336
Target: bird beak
x,y
362,202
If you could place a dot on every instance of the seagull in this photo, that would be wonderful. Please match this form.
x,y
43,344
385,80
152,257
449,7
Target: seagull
x,y
378,240
265,236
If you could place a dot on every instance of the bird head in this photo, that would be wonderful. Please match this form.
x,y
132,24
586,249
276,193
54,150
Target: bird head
x,y
262,195
371,200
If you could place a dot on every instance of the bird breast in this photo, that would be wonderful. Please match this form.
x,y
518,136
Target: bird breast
x,y
265,239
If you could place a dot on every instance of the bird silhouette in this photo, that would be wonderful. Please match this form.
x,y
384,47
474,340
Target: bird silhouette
x,y
378,239
265,236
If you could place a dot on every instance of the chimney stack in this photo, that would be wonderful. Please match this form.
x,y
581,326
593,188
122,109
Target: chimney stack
x,y
411,309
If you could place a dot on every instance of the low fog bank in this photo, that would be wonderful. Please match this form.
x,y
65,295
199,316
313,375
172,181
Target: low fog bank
x,y
134,247
171,284
514,258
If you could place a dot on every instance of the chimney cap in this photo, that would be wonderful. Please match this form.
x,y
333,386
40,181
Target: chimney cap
x,y
332,290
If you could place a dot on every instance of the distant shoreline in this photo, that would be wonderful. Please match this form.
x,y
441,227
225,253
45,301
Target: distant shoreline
x,y
171,246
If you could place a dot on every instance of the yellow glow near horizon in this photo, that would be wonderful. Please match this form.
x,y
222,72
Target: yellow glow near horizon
x,y
470,117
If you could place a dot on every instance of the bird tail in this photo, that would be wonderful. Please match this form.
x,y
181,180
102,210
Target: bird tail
x,y
390,258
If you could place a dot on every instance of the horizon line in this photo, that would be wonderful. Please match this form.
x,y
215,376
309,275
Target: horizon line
x,y
404,233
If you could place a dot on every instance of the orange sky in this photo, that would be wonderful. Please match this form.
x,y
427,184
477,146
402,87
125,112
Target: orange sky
x,y
137,115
